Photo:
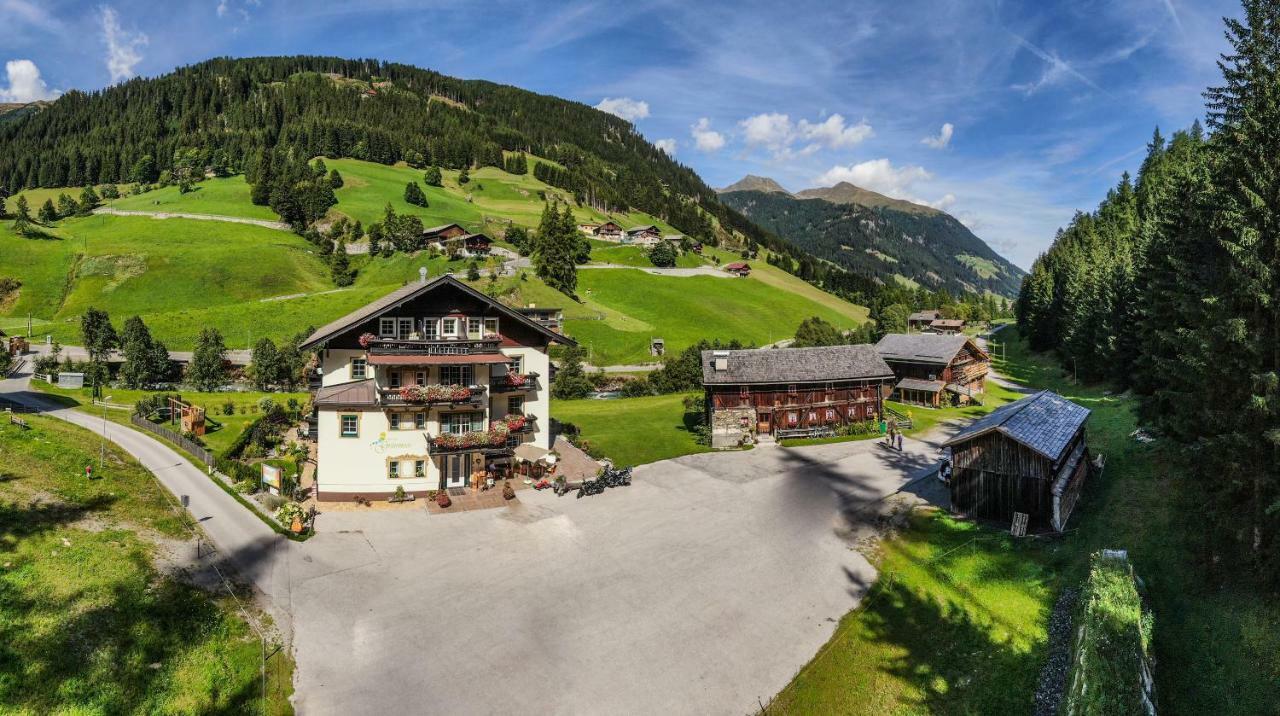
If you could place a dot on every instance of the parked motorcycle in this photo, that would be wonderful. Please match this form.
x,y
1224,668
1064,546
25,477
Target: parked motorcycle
x,y
608,477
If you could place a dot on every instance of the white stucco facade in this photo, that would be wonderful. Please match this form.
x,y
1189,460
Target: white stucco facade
x,y
371,439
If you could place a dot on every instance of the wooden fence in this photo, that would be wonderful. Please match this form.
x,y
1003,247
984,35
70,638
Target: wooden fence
x,y
190,446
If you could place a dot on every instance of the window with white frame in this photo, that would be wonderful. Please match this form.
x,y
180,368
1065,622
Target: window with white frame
x,y
387,327
405,327
359,368
350,426
420,421
419,468
393,469
475,326
516,364
491,327
420,377
431,328
458,423
456,375
393,379
395,421
449,327
515,405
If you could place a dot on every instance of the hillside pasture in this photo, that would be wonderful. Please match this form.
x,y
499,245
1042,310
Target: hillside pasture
x,y
219,196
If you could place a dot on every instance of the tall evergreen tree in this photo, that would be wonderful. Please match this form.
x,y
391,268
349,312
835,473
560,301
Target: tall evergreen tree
x,y
555,253
97,333
208,370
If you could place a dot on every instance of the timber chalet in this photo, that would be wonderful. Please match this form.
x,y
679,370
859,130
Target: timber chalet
x,y
791,391
935,370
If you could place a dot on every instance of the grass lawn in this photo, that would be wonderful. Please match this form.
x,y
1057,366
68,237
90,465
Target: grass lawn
x,y
217,439
633,306
631,431
625,255
955,624
965,634
137,265
220,196
87,623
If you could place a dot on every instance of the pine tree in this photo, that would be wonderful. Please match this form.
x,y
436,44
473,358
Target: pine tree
x,y
464,176
208,371
21,215
555,252
340,265
571,380
413,194
335,179
433,177
267,366
145,361
48,214
97,333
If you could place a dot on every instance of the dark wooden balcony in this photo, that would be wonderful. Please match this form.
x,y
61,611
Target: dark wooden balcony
x,y
437,347
514,383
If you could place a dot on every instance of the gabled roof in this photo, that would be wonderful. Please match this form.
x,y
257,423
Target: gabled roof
x,y
647,227
925,315
411,291
442,227
1044,422
922,347
737,266
928,386
794,365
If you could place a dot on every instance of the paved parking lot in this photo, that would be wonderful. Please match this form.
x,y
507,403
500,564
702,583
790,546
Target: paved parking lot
x,y
701,588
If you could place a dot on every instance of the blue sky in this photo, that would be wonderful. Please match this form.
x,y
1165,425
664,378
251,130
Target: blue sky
x,y
1008,115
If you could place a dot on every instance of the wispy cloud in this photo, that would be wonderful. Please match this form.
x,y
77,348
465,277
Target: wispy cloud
x,y
1056,69
25,83
777,133
17,13
878,175
624,107
123,46
942,140
666,145
1173,14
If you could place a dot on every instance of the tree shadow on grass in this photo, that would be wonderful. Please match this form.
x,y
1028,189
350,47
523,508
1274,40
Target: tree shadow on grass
x,y
93,626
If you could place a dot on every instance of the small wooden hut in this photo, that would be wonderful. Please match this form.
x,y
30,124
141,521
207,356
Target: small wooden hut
x,y
1029,456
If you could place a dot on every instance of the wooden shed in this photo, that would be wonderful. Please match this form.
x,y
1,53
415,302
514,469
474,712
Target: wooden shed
x,y
1029,456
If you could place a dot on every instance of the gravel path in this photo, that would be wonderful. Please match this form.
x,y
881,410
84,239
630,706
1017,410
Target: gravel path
x,y
279,226
1053,675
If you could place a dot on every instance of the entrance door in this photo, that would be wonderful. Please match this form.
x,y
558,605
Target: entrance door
x,y
457,470
762,424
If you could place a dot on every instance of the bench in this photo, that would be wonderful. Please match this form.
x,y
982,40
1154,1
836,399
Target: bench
x,y
15,420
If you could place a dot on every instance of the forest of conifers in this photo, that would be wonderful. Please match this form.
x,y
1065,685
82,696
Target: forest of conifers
x,y
1170,289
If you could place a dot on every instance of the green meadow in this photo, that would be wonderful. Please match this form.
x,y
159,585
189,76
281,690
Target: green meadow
x,y
89,624
220,196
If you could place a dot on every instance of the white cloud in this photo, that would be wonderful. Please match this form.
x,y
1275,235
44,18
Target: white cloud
x,y
771,130
833,133
704,137
946,202
666,145
222,8
942,140
878,175
624,107
25,83
123,46
777,133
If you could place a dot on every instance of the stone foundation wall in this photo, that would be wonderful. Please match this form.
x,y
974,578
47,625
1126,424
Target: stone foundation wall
x,y
732,426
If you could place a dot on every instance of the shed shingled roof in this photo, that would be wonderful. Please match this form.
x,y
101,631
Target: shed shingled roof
x,y
921,347
1044,422
795,365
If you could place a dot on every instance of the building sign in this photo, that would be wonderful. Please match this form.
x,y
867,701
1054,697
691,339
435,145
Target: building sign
x,y
271,478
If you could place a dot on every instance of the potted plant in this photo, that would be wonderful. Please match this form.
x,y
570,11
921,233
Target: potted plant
x,y
508,492
442,499
366,339
399,494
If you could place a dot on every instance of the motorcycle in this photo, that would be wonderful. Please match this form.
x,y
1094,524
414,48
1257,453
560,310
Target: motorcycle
x,y
608,477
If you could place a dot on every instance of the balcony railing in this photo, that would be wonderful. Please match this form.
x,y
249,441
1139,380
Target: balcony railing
x,y
514,382
518,423
431,394
486,442
437,347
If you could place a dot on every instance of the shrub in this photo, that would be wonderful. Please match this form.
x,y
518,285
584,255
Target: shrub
x,y
442,498
399,494
228,408
272,502
246,487
637,388
508,492
287,512
266,405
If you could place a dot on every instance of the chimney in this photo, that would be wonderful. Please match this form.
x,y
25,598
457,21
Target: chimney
x,y
720,360
422,274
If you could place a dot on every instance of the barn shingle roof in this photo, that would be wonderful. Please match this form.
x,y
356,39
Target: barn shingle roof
x,y
921,347
1044,422
795,365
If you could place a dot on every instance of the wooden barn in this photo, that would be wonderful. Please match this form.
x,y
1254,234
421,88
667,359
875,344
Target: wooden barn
x,y
1029,456
936,370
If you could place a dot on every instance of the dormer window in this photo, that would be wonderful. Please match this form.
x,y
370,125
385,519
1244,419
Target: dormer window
x,y
449,327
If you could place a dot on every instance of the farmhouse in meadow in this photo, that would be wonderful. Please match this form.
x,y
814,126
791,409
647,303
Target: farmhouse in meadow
x,y
431,386
741,269
935,370
648,235
791,392
1029,456
920,320
946,326
608,231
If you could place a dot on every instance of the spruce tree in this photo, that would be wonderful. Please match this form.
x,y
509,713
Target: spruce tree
x,y
432,177
267,366
48,214
208,371
413,194
555,252
97,333
571,380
